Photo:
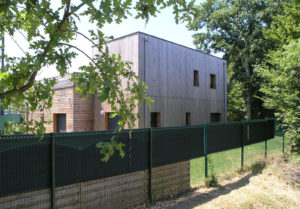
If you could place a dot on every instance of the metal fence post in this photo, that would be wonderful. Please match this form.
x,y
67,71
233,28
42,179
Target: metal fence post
x,y
150,165
265,138
283,145
242,150
205,149
52,171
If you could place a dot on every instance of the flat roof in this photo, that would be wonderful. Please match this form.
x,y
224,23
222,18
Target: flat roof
x,y
138,32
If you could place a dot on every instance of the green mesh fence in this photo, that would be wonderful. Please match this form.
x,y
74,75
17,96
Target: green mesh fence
x,y
14,118
30,163
172,145
25,164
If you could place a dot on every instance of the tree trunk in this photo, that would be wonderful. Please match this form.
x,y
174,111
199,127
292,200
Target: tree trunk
x,y
248,104
248,86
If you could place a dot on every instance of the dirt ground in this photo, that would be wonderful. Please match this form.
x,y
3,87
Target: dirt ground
x,y
274,185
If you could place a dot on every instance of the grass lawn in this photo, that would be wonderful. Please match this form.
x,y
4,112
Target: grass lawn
x,y
229,161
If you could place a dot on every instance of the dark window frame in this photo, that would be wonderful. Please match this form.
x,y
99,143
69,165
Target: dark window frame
x,y
56,122
213,84
188,118
215,117
155,120
196,78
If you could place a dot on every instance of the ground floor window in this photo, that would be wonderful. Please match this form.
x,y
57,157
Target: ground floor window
x,y
215,117
111,123
188,118
155,119
59,123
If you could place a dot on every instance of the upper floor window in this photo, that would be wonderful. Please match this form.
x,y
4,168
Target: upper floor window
x,y
213,81
196,78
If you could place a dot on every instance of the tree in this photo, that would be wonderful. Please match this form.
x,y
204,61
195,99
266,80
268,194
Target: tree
x,y
281,71
49,28
235,28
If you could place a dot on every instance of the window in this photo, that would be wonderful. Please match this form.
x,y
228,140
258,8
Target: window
x,y
155,119
196,78
111,123
188,118
215,117
59,123
213,81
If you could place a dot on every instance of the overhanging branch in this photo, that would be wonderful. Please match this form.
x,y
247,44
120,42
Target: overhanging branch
x,y
21,89
74,47
30,83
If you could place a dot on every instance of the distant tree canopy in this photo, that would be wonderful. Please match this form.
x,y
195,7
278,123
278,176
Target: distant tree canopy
x,y
235,28
281,71
49,28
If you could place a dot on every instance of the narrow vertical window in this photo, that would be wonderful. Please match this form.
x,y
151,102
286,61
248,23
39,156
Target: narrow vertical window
x,y
213,81
215,117
59,123
196,78
188,118
155,119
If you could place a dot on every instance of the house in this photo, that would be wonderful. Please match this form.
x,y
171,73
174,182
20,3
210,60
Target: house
x,y
188,86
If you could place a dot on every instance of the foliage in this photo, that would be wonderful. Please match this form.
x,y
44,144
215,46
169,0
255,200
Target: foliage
x,y
235,28
49,28
236,103
281,72
211,180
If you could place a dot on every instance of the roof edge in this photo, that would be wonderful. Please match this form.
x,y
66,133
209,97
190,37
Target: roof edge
x,y
146,34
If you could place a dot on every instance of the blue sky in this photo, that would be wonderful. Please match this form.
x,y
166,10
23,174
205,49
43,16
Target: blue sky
x,y
162,26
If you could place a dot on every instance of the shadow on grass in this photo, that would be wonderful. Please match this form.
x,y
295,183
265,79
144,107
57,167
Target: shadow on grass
x,y
257,167
196,199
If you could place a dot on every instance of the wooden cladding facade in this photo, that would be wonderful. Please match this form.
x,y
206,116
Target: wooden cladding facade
x,y
79,111
179,80
169,70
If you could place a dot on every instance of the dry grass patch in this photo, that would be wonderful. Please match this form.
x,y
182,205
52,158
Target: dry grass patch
x,y
262,185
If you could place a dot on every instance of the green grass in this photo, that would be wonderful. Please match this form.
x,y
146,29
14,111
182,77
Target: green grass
x,y
230,161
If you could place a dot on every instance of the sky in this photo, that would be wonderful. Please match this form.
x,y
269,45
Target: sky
x,y
162,26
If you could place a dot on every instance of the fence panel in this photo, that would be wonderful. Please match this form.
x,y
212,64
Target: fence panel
x,y
260,130
224,136
78,159
172,145
14,118
269,129
25,163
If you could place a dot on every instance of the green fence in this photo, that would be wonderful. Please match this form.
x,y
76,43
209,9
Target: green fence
x,y
61,159
14,118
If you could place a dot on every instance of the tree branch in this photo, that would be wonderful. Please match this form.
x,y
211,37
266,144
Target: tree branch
x,y
17,44
21,89
30,83
87,38
69,45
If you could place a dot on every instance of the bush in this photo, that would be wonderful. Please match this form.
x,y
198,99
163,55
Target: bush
x,y
211,180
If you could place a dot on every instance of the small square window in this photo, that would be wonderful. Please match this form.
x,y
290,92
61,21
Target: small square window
x,y
196,78
215,117
188,118
155,119
213,81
